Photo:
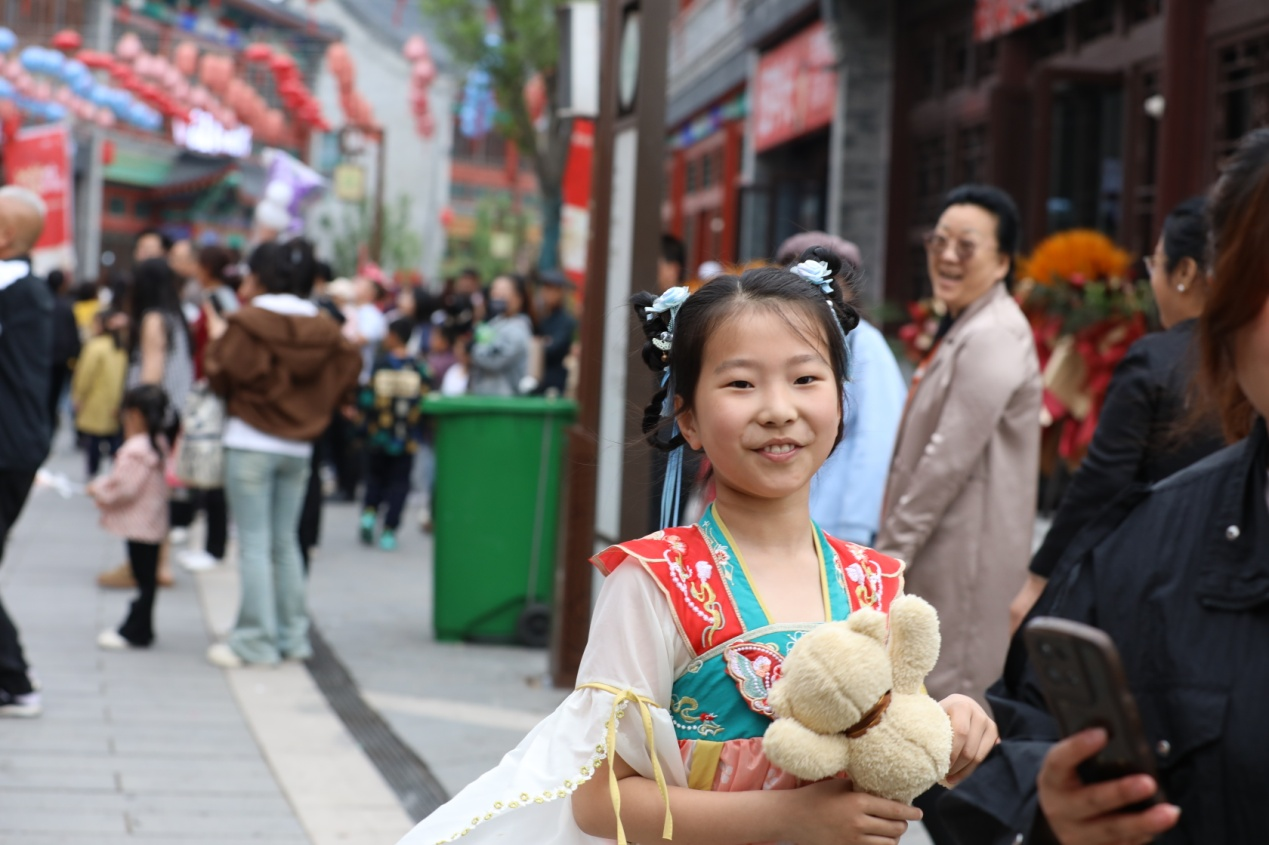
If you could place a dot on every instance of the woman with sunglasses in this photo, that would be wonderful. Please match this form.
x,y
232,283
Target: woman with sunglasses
x,y
960,499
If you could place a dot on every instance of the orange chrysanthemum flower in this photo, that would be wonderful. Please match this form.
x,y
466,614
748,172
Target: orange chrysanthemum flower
x,y
1076,257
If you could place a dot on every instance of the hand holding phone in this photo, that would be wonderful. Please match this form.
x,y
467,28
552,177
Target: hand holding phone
x,y
1100,783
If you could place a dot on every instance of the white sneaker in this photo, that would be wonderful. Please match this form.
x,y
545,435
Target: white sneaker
x,y
112,640
178,535
196,560
20,706
223,656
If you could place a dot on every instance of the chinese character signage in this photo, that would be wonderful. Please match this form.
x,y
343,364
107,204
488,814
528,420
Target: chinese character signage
x,y
796,89
39,159
993,18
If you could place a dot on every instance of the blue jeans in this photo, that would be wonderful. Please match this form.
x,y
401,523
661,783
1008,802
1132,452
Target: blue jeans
x,y
266,493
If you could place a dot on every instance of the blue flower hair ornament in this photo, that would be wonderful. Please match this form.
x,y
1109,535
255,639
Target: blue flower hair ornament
x,y
816,272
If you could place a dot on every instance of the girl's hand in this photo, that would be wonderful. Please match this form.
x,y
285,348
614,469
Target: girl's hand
x,y
974,734
1080,814
831,812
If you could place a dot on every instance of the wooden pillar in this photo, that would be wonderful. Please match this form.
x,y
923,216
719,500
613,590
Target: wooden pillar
x,y
1182,166
899,210
1012,144
733,148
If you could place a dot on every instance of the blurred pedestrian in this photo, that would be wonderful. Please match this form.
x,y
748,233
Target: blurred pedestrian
x,y
500,349
26,353
1176,574
961,496
1139,438
87,305
392,416
159,353
134,506
366,324
282,369
211,268
66,344
846,493
150,243
457,376
97,390
671,263
556,330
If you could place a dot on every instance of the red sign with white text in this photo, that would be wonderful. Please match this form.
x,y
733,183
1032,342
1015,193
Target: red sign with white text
x,y
575,215
796,88
993,18
39,159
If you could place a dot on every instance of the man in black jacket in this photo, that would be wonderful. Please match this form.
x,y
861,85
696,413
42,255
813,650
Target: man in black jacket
x,y
26,354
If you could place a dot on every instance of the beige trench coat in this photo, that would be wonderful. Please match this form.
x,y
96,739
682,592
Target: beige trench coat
x,y
960,501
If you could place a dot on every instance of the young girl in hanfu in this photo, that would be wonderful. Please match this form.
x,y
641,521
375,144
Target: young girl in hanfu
x,y
662,740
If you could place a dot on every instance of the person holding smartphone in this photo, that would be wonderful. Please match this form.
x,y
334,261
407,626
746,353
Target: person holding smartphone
x,y
1177,575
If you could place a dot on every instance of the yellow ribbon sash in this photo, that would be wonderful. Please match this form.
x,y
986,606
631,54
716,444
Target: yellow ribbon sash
x,y
621,697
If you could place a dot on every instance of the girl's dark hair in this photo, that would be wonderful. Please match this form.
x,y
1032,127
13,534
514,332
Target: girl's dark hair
x,y
157,411
216,260
1000,205
285,267
774,289
105,317
1239,215
154,288
1185,233
522,290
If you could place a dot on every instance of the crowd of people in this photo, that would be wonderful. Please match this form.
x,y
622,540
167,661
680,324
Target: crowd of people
x,y
776,405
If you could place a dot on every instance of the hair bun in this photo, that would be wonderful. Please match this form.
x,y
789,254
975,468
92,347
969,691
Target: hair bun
x,y
653,325
828,256
847,314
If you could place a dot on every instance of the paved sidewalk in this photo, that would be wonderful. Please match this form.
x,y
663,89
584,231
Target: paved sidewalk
x,y
158,745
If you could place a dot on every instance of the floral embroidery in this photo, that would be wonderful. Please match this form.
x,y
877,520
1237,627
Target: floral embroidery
x,y
863,575
720,553
692,582
754,667
685,708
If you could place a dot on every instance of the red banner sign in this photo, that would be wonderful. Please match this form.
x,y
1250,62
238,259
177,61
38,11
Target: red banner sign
x,y
993,18
575,215
39,159
796,88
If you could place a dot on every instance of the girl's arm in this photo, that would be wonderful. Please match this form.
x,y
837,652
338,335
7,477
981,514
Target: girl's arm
x,y
825,813
153,348
124,483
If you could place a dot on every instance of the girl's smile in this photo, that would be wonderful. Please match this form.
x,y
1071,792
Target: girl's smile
x,y
767,406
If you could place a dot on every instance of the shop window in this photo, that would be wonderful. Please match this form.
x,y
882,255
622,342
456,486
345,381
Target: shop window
x,y
117,206
1242,91
971,152
143,210
956,59
1093,21
708,174
1050,36
1139,11
690,178
931,176
986,57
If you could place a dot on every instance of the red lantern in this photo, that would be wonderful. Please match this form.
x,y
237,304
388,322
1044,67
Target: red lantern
x,y
129,47
258,53
416,48
423,72
274,124
420,105
282,65
94,59
447,217
185,58
535,97
67,41
108,152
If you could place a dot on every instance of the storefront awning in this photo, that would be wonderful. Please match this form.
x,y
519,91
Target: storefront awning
x,y
994,18
190,173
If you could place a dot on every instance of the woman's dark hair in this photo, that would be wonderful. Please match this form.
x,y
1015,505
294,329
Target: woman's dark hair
x,y
154,288
1185,234
157,411
85,291
216,260
105,317
56,281
285,267
774,289
1001,206
1239,215
521,286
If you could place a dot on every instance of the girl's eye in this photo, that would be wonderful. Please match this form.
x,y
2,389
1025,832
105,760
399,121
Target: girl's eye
x,y
739,384
807,380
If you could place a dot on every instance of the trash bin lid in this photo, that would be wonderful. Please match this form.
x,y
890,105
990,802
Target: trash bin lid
x,y
535,406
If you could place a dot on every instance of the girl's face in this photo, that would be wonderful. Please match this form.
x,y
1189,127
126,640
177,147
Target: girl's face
x,y
767,405
504,290
1251,360
963,256
133,422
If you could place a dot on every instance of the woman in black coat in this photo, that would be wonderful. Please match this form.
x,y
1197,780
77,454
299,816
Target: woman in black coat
x,y
1178,576
1139,438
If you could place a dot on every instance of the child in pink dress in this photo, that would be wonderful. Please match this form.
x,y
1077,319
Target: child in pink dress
x,y
134,505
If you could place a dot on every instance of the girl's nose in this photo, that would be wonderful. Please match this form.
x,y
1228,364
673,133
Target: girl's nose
x,y
778,407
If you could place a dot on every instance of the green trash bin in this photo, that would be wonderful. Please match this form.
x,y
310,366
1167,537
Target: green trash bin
x,y
495,515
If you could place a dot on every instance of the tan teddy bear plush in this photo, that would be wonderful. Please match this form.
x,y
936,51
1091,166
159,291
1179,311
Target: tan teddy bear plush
x,y
847,703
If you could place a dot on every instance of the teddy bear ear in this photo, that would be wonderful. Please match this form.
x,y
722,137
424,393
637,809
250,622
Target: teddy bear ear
x,y
868,622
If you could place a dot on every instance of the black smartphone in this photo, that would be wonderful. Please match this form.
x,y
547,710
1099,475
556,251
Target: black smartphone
x,y
1084,684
